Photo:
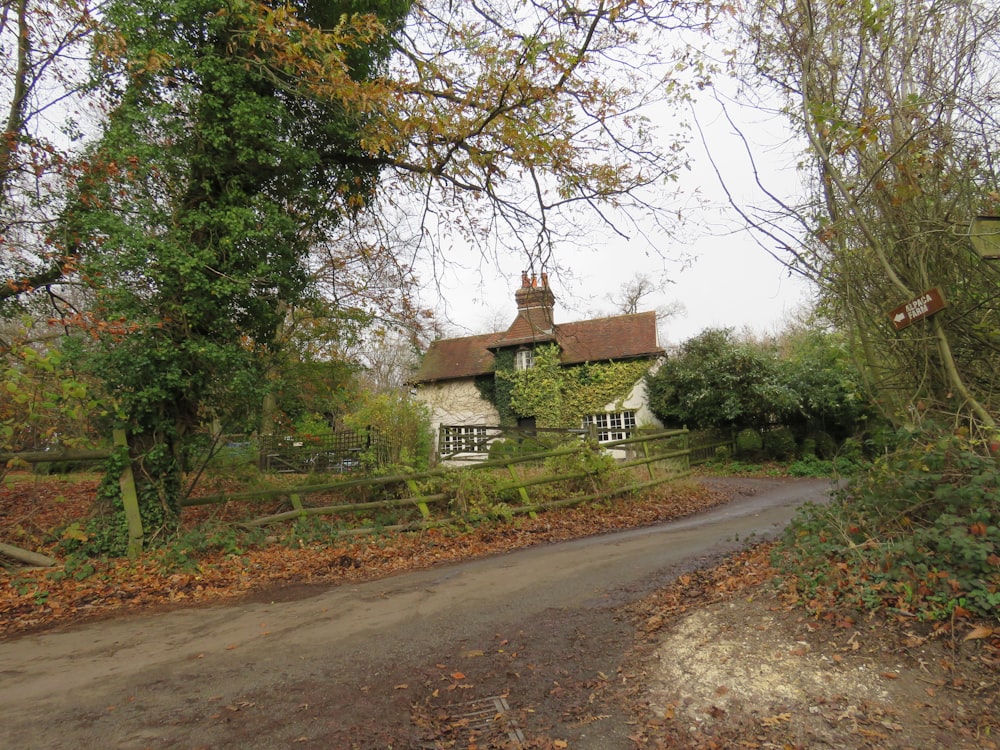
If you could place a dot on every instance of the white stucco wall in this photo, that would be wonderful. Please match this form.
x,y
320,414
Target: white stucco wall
x,y
456,402
636,401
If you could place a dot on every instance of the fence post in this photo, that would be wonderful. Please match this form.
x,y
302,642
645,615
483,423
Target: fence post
x,y
421,504
130,499
645,453
521,490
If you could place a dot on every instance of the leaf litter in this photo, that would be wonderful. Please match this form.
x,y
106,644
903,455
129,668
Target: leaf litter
x,y
723,657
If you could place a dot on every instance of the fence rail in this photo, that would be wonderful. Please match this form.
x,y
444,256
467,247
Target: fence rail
x,y
130,500
664,454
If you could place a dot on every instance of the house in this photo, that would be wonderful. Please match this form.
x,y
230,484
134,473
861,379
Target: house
x,y
596,372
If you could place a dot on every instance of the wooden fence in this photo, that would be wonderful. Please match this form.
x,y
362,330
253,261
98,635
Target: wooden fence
x,y
340,452
471,443
130,500
663,457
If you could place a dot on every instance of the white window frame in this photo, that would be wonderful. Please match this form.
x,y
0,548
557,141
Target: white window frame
x,y
468,439
611,426
524,359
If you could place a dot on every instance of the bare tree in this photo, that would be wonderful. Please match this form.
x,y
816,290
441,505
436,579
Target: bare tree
x,y
42,69
898,106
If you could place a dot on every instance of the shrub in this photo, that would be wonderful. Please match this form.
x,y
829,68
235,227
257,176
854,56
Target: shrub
x,y
779,444
602,471
808,448
396,415
749,443
826,446
919,531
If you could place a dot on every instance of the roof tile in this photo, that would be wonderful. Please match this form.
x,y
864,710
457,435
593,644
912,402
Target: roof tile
x,y
602,339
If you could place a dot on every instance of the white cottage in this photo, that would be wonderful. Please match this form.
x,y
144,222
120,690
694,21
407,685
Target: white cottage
x,y
448,376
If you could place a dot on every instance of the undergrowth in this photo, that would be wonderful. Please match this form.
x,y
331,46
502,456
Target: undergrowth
x,y
917,534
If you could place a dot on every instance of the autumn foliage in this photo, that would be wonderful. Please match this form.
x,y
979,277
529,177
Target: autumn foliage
x,y
212,560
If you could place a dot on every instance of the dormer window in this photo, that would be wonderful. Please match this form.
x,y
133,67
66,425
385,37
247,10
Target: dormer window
x,y
524,359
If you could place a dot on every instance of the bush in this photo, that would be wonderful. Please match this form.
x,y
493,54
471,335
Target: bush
x,y
808,448
779,444
396,415
602,471
813,466
826,446
749,443
919,532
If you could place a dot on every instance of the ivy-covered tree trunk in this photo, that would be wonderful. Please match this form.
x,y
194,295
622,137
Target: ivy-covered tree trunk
x,y
197,210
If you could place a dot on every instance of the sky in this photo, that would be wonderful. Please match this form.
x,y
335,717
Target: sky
x,y
728,280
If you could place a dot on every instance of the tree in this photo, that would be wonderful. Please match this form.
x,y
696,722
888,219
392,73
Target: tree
x,y
629,298
817,366
242,137
897,105
194,218
803,380
42,43
716,381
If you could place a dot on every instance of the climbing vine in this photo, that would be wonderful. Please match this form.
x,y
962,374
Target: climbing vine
x,y
497,388
558,396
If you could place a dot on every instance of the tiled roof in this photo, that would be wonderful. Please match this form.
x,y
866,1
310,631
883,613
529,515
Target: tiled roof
x,y
529,327
457,358
619,337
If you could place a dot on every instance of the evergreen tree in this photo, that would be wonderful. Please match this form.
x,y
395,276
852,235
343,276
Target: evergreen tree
x,y
212,178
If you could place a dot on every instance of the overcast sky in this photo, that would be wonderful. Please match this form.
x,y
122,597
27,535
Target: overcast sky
x,y
728,281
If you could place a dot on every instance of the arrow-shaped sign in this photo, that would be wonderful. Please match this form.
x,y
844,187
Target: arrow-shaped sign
x,y
930,302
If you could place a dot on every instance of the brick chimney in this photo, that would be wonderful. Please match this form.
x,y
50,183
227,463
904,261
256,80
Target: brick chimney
x,y
535,302
534,323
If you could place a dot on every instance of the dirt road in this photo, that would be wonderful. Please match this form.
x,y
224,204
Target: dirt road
x,y
375,665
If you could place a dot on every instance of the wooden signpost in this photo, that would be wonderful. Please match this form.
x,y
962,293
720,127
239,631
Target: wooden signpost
x,y
930,302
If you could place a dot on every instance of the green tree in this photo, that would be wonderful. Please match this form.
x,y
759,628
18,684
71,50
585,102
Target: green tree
x,y
42,403
196,214
403,422
243,136
714,380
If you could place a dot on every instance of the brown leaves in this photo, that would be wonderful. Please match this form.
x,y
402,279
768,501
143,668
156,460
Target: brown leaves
x,y
979,632
33,508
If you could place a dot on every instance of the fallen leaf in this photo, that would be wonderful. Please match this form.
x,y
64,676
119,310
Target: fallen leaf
x,y
402,686
773,721
473,653
457,676
980,631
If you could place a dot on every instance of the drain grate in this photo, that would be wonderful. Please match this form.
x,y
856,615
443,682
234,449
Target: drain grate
x,y
485,715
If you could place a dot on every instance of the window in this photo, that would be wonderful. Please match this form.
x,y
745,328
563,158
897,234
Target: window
x,y
611,426
463,440
524,359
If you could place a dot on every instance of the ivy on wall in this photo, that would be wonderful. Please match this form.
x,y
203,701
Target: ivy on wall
x,y
555,395
496,389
